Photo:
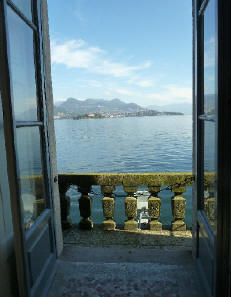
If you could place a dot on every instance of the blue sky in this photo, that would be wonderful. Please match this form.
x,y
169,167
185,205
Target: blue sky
x,y
135,50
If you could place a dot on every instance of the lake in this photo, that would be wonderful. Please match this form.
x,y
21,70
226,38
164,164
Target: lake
x,y
136,144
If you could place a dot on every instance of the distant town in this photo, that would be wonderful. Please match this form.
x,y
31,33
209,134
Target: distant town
x,y
149,113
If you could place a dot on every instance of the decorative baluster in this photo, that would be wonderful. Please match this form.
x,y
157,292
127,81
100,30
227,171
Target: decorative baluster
x,y
65,205
85,206
130,209
108,204
210,204
39,203
178,209
154,206
38,207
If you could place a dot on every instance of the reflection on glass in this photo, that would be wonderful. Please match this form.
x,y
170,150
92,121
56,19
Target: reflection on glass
x,y
209,59
24,6
30,170
210,171
22,66
210,98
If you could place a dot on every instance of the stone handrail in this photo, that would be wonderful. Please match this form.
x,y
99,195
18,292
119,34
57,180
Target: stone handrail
x,y
176,182
126,179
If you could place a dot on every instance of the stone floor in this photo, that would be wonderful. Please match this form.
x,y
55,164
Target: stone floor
x,y
112,269
119,237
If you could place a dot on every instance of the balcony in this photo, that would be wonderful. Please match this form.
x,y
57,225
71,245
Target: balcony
x,y
128,259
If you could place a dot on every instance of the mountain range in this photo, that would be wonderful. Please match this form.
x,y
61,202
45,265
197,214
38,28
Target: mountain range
x,y
74,106
185,108
101,106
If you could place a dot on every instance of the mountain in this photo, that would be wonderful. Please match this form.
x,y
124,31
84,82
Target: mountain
x,y
185,108
100,106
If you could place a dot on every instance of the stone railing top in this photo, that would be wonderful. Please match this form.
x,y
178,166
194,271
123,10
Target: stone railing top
x,y
179,179
156,179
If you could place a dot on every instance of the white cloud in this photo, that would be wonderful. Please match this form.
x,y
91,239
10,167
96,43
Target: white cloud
x,y
172,93
78,54
107,93
73,55
58,99
145,83
124,92
95,84
92,83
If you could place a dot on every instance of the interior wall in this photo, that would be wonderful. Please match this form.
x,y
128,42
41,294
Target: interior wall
x,y
52,142
8,279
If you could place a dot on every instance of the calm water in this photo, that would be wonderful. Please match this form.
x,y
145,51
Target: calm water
x,y
145,144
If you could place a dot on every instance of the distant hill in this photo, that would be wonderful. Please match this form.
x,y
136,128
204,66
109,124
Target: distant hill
x,y
99,106
185,108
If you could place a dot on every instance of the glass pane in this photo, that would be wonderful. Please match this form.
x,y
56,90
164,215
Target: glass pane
x,y
210,168
22,66
209,59
30,170
210,97
24,6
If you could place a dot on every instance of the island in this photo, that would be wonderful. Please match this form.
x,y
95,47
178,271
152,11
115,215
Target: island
x,y
100,109
149,113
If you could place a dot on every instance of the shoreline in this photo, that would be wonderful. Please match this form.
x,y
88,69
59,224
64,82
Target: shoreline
x,y
114,117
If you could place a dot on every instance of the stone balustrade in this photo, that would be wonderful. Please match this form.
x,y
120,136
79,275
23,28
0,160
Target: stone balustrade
x,y
209,196
176,182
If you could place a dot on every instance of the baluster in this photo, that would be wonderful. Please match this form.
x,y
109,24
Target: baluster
x,y
38,207
108,204
154,206
130,209
85,206
178,209
65,205
210,204
39,203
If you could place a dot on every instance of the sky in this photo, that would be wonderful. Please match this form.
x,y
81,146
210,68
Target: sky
x,y
136,50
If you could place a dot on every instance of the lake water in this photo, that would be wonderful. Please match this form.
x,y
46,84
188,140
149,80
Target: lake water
x,y
138,144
